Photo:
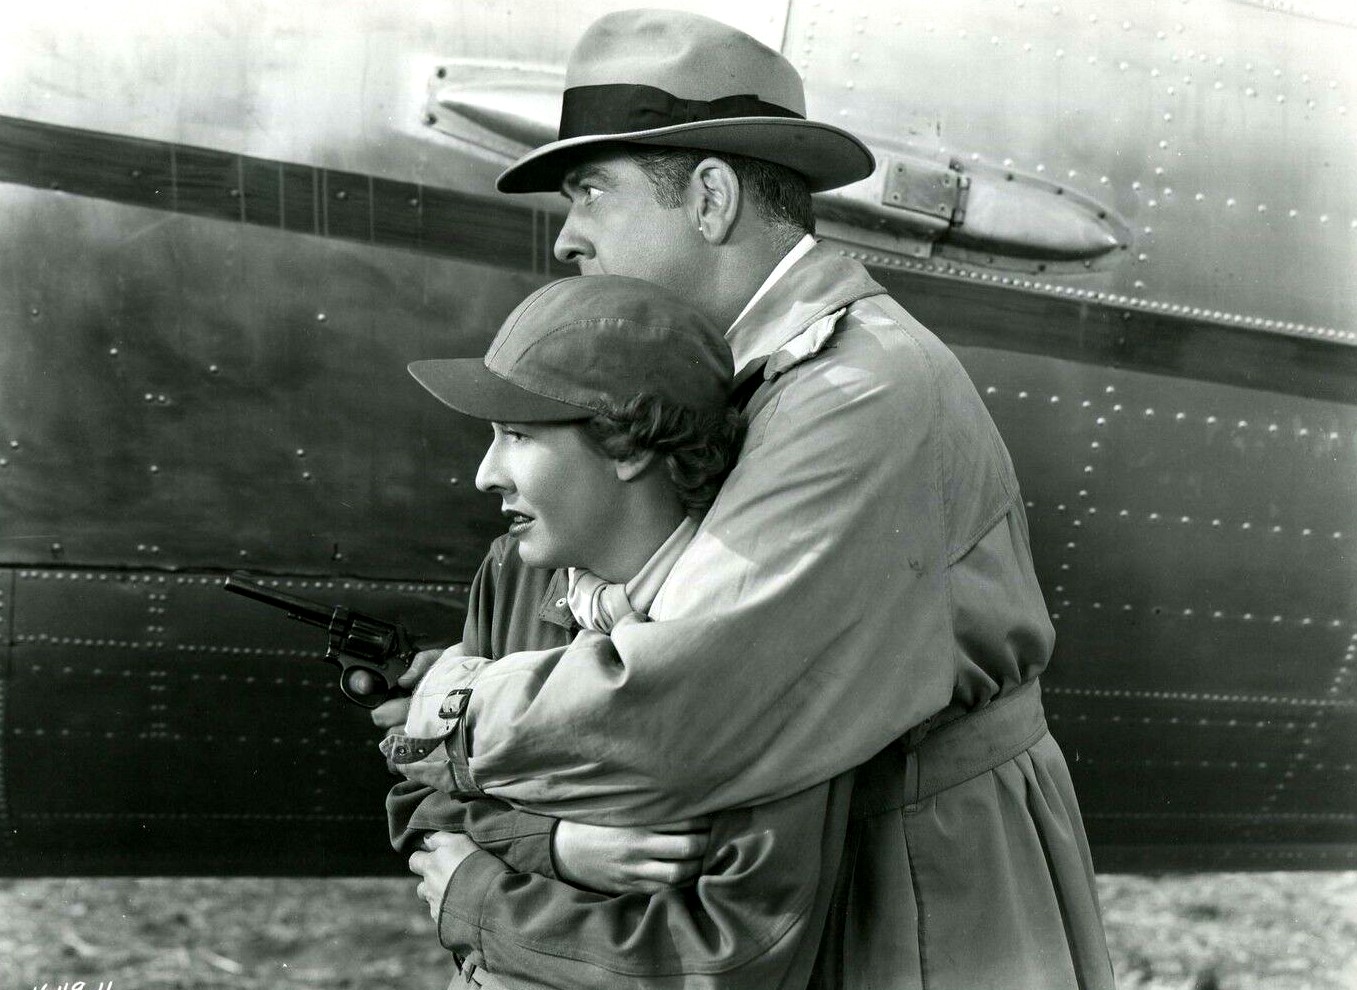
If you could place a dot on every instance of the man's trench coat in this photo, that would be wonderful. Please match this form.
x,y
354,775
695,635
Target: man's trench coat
x,y
861,594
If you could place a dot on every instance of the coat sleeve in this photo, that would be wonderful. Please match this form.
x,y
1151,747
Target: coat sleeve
x,y
520,839
752,919
805,627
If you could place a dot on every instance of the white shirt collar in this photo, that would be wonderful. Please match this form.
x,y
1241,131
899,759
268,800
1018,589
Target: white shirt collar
x,y
799,251
588,593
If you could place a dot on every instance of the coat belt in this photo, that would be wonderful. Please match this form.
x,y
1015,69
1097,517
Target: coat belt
x,y
914,769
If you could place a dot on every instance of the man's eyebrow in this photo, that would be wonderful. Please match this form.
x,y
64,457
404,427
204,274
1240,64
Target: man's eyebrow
x,y
581,174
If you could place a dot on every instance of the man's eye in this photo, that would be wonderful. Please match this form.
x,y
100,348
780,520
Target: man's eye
x,y
591,193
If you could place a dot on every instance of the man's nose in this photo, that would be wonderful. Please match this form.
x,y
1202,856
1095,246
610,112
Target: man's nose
x,y
490,475
571,246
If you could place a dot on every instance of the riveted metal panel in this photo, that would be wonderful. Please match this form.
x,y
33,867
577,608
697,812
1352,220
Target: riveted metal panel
x,y
931,189
157,698
348,205
244,410
261,189
207,183
398,213
137,730
1137,753
191,613
106,166
1222,132
1196,652
1163,856
1203,600
6,616
107,608
6,677
301,189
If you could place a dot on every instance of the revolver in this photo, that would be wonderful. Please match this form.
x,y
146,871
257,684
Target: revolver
x,y
371,653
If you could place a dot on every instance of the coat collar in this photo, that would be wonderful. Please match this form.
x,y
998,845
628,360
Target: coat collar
x,y
555,606
820,284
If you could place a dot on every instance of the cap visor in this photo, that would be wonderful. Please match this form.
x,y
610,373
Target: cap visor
x,y
465,384
827,156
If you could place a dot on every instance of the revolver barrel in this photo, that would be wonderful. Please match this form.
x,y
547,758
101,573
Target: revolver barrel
x,y
299,608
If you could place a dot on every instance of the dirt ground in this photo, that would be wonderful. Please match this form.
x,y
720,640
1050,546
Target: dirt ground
x,y
1269,931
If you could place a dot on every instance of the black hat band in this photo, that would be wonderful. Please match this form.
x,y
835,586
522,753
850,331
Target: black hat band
x,y
620,108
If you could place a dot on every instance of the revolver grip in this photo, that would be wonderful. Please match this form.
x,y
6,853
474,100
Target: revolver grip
x,y
367,686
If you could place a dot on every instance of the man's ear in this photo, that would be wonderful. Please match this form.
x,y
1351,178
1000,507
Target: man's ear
x,y
714,195
631,468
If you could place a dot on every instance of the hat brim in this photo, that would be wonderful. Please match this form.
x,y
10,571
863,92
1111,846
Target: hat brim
x,y
466,385
827,156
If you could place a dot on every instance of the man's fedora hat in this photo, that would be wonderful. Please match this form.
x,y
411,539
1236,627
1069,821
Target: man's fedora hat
x,y
578,346
675,79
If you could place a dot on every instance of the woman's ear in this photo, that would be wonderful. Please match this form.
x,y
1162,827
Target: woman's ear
x,y
631,468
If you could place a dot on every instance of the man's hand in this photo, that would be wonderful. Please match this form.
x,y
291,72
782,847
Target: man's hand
x,y
443,853
631,860
391,713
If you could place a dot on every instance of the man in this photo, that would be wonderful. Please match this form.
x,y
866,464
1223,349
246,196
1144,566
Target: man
x,y
861,593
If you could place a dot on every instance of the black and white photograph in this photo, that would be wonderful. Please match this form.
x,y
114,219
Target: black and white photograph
x,y
788,495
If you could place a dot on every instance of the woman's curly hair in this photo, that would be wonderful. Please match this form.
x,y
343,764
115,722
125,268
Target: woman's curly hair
x,y
699,447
